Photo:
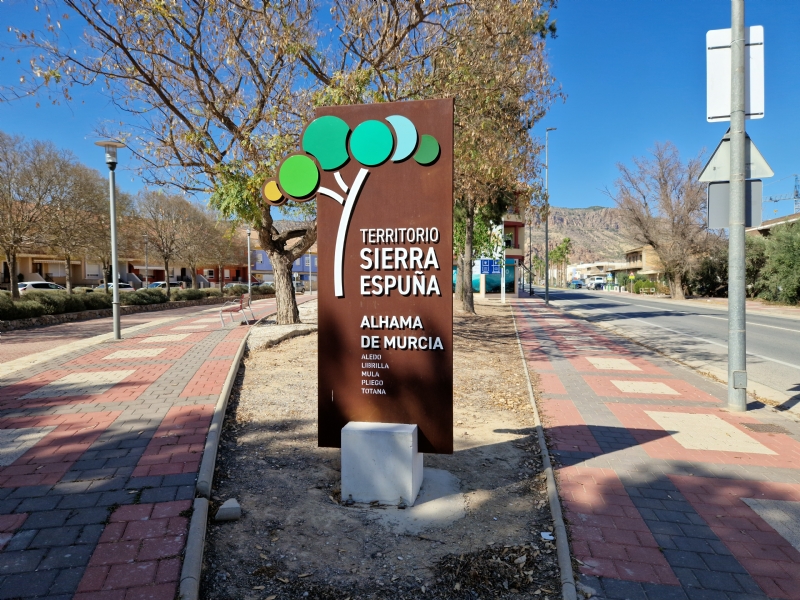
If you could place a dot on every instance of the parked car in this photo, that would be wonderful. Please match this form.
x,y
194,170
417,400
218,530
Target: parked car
x,y
595,282
159,285
576,284
299,287
39,286
123,287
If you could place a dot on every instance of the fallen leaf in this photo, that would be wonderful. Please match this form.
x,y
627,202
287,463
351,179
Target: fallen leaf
x,y
259,587
259,548
521,560
304,575
264,556
282,580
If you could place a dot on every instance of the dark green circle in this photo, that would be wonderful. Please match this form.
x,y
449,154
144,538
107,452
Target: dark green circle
x,y
298,176
326,140
371,143
428,150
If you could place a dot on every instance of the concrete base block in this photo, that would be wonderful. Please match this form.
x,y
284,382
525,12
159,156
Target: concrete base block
x,y
380,461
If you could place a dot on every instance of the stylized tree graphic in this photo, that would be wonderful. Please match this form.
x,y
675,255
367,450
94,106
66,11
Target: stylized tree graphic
x,y
326,139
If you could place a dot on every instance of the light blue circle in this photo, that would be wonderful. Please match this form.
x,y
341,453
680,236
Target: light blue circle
x,y
406,135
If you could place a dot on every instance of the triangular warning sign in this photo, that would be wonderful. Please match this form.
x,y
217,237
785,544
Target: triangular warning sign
x,y
718,167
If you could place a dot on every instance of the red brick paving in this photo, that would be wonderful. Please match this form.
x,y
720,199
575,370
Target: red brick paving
x,y
636,522
208,379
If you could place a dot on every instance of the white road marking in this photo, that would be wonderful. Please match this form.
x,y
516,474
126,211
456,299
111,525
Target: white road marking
x,y
157,339
706,432
89,383
143,353
756,324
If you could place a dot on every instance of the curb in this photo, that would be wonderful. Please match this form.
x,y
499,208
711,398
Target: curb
x,y
568,589
193,557
195,542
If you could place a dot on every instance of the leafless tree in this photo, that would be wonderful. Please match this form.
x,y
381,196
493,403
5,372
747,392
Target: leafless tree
x,y
198,235
74,213
29,176
163,217
664,205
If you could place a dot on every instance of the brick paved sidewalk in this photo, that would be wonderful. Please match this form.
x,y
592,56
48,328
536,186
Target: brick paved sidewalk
x,y
667,495
99,453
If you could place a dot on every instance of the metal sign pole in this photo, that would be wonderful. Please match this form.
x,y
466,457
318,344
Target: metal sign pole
x,y
737,343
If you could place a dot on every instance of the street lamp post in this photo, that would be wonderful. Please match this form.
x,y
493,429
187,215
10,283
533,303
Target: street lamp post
x,y
146,264
249,260
547,217
110,147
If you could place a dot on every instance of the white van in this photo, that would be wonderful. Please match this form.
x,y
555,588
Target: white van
x,y
595,282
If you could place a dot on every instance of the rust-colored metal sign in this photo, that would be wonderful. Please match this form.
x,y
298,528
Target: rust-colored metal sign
x,y
385,267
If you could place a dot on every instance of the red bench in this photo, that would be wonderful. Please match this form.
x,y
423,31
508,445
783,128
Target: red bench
x,y
234,307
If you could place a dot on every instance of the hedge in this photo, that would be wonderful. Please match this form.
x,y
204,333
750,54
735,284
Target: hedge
x,y
37,304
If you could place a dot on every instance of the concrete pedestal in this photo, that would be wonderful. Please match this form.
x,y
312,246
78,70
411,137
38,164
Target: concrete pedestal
x,y
380,462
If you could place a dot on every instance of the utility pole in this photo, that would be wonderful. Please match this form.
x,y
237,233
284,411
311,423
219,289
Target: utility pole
x,y
737,342
547,216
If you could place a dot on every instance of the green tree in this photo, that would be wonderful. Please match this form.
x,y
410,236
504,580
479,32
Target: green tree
x,y
781,274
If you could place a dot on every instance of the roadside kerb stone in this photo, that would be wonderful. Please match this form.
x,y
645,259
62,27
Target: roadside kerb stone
x,y
189,588
568,589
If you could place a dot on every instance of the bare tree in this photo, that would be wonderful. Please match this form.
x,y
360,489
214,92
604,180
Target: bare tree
x,y
128,230
224,246
74,213
222,90
664,205
197,235
29,176
163,217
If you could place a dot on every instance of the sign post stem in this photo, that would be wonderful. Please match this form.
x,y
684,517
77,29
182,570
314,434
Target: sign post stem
x,y
737,365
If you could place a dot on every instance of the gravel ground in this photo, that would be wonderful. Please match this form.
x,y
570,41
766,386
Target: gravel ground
x,y
476,535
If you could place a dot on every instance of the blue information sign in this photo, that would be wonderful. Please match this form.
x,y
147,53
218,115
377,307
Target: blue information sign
x,y
490,267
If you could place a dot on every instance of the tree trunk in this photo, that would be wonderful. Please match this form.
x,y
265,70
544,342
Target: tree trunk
x,y
13,266
460,278
107,278
221,282
69,274
193,270
284,289
676,286
468,302
166,275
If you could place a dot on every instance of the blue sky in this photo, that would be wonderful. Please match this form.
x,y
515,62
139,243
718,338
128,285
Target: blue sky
x,y
633,72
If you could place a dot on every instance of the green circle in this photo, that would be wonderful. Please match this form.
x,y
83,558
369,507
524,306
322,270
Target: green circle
x,y
428,150
371,143
298,176
326,140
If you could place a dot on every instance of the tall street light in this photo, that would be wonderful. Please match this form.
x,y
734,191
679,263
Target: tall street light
x,y
146,265
111,146
249,260
547,217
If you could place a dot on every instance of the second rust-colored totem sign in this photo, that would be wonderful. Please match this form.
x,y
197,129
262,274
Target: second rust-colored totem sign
x,y
382,175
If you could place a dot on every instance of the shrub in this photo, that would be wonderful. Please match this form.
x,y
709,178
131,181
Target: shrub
x,y
264,288
56,303
236,290
23,309
92,301
189,294
143,297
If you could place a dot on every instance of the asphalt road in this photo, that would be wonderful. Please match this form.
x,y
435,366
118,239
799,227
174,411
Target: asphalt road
x,y
773,342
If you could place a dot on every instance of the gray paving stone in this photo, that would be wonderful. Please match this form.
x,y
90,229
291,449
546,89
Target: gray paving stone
x,y
726,564
67,556
22,585
656,591
116,497
79,500
107,485
31,491
160,494
715,580
617,589
56,536
88,516
700,531
36,504
185,492
692,544
9,506
683,558
40,520
90,534
66,582
20,561
21,540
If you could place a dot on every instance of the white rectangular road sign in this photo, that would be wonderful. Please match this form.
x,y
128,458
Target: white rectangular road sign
x,y
718,74
719,195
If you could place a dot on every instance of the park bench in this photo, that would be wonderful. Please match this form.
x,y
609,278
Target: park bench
x,y
237,306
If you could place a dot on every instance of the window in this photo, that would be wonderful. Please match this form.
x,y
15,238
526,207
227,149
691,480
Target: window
x,y
227,274
209,273
92,271
315,261
41,286
308,261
